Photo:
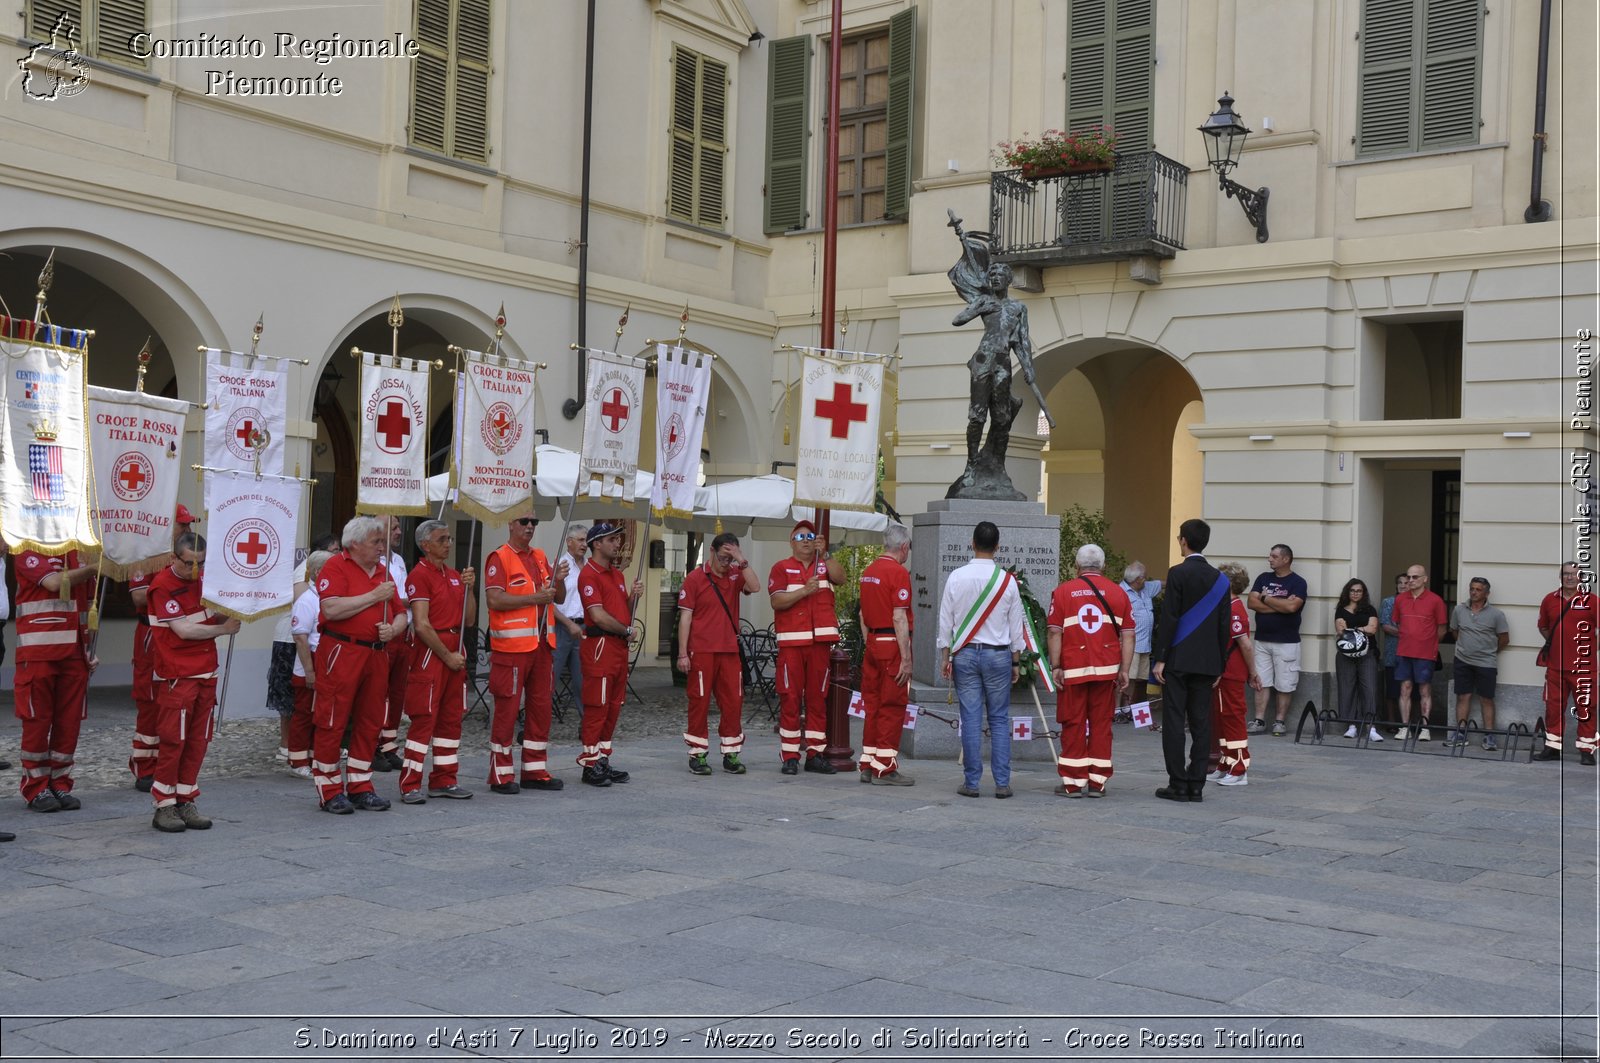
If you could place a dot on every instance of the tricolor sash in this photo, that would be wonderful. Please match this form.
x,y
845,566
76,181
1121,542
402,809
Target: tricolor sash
x,y
967,627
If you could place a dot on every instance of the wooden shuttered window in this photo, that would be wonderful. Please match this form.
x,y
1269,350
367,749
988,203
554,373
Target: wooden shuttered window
x,y
788,131
902,83
450,79
699,148
1421,69
1110,82
105,28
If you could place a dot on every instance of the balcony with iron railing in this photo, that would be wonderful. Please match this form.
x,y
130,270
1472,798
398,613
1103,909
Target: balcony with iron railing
x,y
1135,209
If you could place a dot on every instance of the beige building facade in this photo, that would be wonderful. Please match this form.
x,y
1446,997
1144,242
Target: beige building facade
x,y
1390,378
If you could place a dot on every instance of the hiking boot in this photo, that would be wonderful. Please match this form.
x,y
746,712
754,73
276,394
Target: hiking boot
x,y
505,788
45,802
595,775
893,778
1586,758
369,802
967,791
380,761
612,773
192,819
68,802
698,765
168,821
142,783
542,781
821,765
731,764
339,805
791,766
1547,753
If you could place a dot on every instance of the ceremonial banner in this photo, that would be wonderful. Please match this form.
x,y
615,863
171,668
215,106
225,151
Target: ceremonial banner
x,y
250,544
247,417
494,470
136,441
394,436
837,463
612,414
44,457
682,393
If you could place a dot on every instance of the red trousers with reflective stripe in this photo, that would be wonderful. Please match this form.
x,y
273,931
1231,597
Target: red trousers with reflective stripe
x,y
300,725
183,726
436,700
605,682
1559,688
1233,736
885,702
399,672
51,698
803,676
143,757
520,681
722,675
1086,758
352,689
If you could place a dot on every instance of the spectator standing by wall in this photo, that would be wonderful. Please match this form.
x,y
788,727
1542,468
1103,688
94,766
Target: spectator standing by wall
x,y
1355,627
1419,617
1277,598
1480,632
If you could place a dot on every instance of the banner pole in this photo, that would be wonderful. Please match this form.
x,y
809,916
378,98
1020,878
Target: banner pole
x,y
222,692
1034,690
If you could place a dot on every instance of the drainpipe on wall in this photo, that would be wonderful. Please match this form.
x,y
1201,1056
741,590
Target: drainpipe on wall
x,y
1539,209
570,408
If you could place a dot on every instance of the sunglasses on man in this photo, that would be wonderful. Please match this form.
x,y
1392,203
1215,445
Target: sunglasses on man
x,y
805,537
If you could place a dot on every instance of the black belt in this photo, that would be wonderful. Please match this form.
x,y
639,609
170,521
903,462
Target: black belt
x,y
590,631
988,646
880,631
346,638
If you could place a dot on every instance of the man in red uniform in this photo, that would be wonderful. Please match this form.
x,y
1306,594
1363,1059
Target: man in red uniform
x,y
352,682
388,756
141,761
1228,697
1569,620
803,616
521,588
1091,649
708,651
52,678
886,661
607,626
185,634
441,599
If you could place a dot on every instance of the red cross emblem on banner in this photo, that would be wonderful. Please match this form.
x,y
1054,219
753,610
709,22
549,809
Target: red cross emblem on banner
x,y
501,423
394,426
841,411
251,548
132,478
247,429
614,411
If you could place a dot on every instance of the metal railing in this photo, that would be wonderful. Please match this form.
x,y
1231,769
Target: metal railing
x,y
1136,208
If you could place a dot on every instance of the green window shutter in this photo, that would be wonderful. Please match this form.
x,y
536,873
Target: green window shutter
x,y
117,22
1388,84
1132,75
470,103
431,75
43,15
902,83
1452,47
711,144
788,102
681,180
1087,95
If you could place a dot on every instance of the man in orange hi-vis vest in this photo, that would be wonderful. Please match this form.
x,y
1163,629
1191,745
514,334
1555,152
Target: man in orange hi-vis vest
x,y
520,587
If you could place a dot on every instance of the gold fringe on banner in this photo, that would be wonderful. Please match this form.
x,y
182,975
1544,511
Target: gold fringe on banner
x,y
222,610
489,516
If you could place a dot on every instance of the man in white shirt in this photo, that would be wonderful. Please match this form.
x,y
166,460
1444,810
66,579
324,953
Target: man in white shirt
x,y
980,643
569,619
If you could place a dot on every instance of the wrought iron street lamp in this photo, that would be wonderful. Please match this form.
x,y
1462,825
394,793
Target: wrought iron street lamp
x,y
1225,134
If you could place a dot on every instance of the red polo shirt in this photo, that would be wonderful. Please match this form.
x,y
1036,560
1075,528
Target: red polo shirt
x,y
885,587
442,589
341,577
712,630
174,598
606,587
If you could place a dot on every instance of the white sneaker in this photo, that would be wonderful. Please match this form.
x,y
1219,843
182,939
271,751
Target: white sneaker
x,y
302,771
1373,735
1350,732
1234,780
1216,776
1424,736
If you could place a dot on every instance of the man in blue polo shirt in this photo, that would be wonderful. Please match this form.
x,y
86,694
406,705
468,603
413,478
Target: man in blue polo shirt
x,y
1277,598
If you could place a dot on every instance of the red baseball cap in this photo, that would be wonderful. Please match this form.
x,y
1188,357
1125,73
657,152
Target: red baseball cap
x,y
184,516
805,524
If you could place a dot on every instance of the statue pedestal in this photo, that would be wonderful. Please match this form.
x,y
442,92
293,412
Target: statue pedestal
x,y
1030,539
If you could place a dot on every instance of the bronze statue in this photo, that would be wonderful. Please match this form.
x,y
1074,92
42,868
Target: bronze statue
x,y
984,286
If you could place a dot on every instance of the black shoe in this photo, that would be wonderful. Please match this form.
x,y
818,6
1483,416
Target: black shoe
x,y
7,836
732,764
1172,793
1196,797
505,788
821,765
5,765
339,805
698,765
596,776
45,802
548,782
369,802
1548,753
1586,758
380,761
612,773
67,801
791,767
142,783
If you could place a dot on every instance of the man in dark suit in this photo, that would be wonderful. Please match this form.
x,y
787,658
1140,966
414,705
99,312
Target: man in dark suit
x,y
1189,651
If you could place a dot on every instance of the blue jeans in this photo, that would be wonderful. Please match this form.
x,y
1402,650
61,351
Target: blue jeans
x,y
983,687
567,657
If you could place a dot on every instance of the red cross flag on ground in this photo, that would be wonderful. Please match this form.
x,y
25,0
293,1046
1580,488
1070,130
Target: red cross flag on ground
x,y
246,415
136,441
1141,714
837,463
391,477
494,467
613,411
1021,729
250,535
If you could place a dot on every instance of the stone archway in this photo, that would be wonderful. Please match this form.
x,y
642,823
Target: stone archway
x,y
1121,442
